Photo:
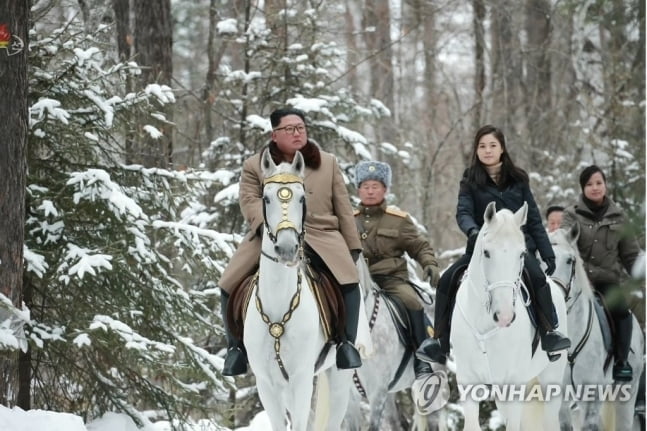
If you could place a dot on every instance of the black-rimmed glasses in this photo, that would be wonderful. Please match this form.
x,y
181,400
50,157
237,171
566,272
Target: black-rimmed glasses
x,y
291,129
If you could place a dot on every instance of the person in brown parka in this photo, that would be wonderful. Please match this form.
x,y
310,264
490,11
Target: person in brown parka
x,y
331,238
608,252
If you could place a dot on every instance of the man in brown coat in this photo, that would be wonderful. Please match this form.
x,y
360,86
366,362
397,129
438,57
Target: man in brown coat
x,y
331,236
387,234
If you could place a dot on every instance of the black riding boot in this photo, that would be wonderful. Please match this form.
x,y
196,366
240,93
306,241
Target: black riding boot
x,y
347,354
622,371
551,339
436,349
236,359
419,335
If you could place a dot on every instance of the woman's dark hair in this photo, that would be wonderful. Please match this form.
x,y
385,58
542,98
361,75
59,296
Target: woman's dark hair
x,y
588,172
509,172
275,117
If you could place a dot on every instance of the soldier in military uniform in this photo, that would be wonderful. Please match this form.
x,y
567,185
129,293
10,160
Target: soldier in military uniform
x,y
387,233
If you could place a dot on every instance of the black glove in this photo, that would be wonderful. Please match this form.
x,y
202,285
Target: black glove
x,y
355,254
550,265
471,240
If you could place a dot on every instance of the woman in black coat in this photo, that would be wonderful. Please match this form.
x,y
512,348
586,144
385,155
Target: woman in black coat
x,y
492,176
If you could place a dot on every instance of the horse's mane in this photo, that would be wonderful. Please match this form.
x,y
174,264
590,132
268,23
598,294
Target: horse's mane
x,y
559,237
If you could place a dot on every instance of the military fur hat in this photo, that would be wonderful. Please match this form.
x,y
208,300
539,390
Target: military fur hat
x,y
372,170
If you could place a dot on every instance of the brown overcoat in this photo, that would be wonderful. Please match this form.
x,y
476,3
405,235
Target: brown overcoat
x,y
387,234
330,223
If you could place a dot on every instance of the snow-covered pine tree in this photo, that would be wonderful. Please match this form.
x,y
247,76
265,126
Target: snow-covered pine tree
x,y
118,282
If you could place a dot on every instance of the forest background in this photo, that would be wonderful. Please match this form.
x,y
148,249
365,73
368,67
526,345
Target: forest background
x,y
125,124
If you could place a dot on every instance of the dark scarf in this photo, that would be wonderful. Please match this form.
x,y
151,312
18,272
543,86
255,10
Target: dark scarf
x,y
310,152
597,210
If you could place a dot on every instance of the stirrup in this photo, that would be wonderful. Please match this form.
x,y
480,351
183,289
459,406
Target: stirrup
x,y
431,350
622,372
552,357
235,362
553,341
347,356
421,368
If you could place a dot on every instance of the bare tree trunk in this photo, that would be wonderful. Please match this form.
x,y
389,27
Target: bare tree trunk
x,y
351,44
121,9
154,49
14,23
377,15
538,80
478,19
506,110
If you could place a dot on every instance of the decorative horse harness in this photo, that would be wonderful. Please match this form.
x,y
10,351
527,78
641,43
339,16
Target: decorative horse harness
x,y
277,329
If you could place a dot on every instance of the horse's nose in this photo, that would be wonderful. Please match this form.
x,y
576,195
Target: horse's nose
x,y
514,316
503,320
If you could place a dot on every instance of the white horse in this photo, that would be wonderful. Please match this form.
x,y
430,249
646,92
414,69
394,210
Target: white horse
x,y
492,333
390,369
283,335
587,355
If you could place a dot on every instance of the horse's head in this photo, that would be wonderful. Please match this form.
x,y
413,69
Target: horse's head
x,y
569,268
499,253
284,209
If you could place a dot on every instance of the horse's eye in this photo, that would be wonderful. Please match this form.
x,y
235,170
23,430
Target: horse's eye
x,y
266,199
570,261
486,253
302,200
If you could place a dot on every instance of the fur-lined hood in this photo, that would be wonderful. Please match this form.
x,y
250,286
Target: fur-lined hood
x,y
311,154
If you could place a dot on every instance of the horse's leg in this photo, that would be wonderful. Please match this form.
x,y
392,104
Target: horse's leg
x,y
512,411
377,409
591,415
300,397
566,416
339,383
471,412
272,403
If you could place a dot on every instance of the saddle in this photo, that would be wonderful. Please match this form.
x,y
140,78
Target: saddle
x,y
324,288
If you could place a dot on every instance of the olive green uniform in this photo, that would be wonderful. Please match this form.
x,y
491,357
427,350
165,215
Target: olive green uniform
x,y
386,234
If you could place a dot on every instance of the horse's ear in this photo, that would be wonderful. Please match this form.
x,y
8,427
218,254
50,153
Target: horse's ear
x,y
298,164
490,212
573,233
522,214
267,164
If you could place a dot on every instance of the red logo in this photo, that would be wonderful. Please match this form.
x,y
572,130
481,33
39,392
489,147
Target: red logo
x,y
13,44
5,36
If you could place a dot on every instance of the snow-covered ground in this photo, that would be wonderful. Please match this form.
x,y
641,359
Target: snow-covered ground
x,y
17,419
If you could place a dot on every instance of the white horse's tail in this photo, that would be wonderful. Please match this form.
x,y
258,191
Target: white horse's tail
x,y
608,416
533,412
322,406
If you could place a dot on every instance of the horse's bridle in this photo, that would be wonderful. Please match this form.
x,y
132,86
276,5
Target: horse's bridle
x,y
567,286
285,196
277,329
517,285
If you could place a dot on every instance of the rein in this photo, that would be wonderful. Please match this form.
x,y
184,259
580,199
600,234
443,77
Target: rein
x,y
567,287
